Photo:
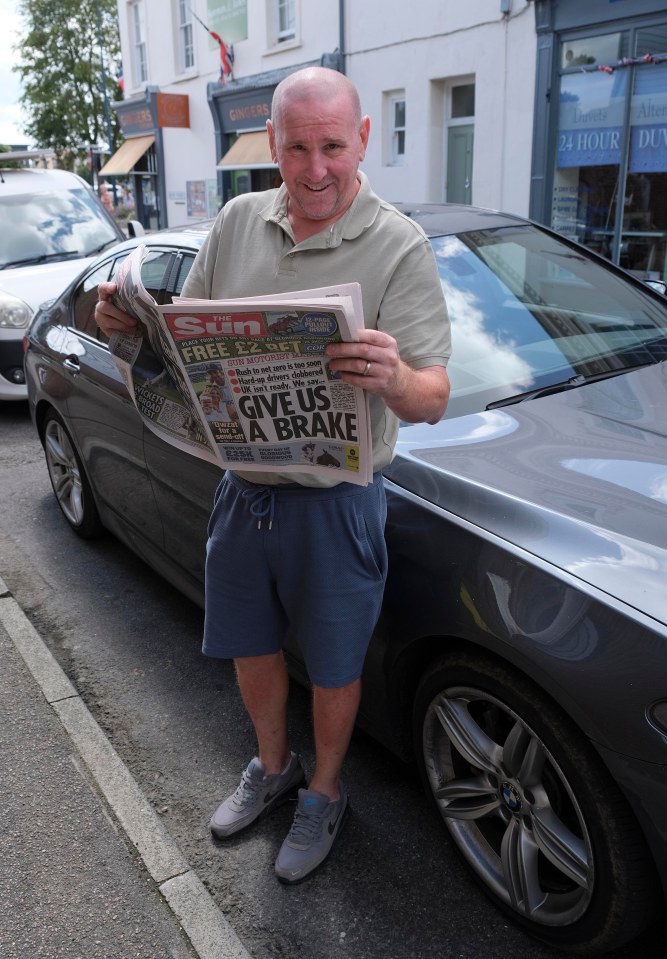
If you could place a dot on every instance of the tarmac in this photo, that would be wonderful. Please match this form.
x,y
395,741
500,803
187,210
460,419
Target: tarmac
x,y
87,868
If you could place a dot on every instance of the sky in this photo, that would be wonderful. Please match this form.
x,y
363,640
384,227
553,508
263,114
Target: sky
x,y
10,90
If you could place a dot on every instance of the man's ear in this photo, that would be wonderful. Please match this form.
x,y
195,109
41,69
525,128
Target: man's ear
x,y
364,133
272,141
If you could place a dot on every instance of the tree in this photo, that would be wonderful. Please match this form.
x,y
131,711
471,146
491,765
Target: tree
x,y
61,74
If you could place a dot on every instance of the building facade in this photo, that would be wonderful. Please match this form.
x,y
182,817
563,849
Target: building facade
x,y
185,164
450,90
555,109
440,82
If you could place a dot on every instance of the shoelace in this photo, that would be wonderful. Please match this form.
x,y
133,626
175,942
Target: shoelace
x,y
306,827
262,503
246,791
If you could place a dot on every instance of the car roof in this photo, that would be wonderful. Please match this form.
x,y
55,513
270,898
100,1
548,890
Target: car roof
x,y
28,180
437,219
190,235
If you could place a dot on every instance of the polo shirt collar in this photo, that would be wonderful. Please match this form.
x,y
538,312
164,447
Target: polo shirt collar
x,y
359,217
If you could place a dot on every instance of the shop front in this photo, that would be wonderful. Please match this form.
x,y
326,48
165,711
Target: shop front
x,y
138,164
240,110
603,177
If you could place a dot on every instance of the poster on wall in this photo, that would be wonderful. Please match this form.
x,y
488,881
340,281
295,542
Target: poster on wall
x,y
229,19
203,199
196,198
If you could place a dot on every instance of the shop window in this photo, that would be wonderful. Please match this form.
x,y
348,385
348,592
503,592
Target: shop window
x,y
186,51
139,52
594,51
610,176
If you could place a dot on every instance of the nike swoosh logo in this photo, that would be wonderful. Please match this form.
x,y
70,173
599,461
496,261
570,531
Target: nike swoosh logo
x,y
333,823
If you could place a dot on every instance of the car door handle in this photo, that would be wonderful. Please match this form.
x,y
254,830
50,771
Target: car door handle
x,y
72,364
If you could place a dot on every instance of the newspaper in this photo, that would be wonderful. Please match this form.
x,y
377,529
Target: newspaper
x,y
245,383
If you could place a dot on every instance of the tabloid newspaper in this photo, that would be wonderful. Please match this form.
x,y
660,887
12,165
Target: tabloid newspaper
x,y
245,383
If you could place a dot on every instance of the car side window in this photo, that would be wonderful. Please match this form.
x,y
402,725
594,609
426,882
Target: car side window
x,y
85,298
184,267
155,271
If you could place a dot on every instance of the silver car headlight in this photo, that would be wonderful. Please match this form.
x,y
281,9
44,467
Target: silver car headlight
x,y
14,313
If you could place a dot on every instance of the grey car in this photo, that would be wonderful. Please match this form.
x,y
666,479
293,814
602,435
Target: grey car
x,y
521,654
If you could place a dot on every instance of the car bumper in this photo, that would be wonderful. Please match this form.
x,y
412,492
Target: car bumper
x,y
12,382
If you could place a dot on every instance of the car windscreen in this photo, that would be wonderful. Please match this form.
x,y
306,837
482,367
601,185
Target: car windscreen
x,y
529,311
63,224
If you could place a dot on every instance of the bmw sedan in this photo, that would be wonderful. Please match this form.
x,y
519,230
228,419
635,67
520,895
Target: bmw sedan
x,y
521,654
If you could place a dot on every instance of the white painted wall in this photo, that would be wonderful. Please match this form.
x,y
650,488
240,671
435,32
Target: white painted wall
x,y
420,49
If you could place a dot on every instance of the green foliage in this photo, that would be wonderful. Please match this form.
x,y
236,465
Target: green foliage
x,y
61,73
8,164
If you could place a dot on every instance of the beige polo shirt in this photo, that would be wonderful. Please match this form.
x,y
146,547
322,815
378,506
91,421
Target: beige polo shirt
x,y
250,251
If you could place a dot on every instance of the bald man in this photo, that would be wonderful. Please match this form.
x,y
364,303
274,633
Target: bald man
x,y
319,567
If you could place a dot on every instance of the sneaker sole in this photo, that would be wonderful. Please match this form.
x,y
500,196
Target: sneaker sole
x,y
223,832
286,881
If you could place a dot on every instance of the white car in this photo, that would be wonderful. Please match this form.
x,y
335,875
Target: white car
x,y
52,225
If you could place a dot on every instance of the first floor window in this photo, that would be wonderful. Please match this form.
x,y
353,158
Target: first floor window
x,y
139,60
186,46
285,20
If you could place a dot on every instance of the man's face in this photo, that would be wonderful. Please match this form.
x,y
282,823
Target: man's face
x,y
318,146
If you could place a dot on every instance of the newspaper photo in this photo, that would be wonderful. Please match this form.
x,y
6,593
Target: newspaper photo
x,y
245,383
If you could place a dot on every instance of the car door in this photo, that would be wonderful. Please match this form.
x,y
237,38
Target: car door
x,y
183,484
107,428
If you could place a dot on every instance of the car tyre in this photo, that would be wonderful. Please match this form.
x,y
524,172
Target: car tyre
x,y
69,480
536,816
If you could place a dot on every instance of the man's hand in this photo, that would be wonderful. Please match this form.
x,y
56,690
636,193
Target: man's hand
x,y
373,363
107,316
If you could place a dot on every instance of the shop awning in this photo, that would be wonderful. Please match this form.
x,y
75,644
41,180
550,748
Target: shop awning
x,y
250,152
128,154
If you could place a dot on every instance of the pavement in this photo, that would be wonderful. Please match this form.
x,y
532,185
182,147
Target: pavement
x,y
87,868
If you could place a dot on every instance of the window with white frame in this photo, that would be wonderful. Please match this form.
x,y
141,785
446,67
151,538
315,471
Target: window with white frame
x,y
186,51
398,129
394,127
282,21
139,52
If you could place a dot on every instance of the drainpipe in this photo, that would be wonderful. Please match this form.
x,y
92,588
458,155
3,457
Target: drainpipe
x,y
341,33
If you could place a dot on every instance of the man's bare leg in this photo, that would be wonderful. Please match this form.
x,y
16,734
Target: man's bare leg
x,y
264,686
334,714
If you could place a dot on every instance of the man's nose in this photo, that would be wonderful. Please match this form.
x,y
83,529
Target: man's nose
x,y
317,166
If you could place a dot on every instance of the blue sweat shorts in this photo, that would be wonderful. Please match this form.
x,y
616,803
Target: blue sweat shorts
x,y
289,557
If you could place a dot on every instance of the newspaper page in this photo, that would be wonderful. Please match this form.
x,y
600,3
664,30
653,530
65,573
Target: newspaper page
x,y
151,369
250,378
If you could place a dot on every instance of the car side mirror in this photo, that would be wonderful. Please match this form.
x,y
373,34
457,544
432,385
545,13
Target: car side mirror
x,y
658,285
135,228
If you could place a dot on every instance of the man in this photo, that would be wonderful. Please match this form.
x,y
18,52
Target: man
x,y
318,566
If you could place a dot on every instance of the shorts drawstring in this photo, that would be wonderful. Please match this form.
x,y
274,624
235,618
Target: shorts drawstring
x,y
262,503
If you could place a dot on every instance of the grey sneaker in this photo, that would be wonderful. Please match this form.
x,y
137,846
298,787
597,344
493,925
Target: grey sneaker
x,y
255,795
317,822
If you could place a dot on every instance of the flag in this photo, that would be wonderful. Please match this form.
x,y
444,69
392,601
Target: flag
x,y
121,79
226,51
226,57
